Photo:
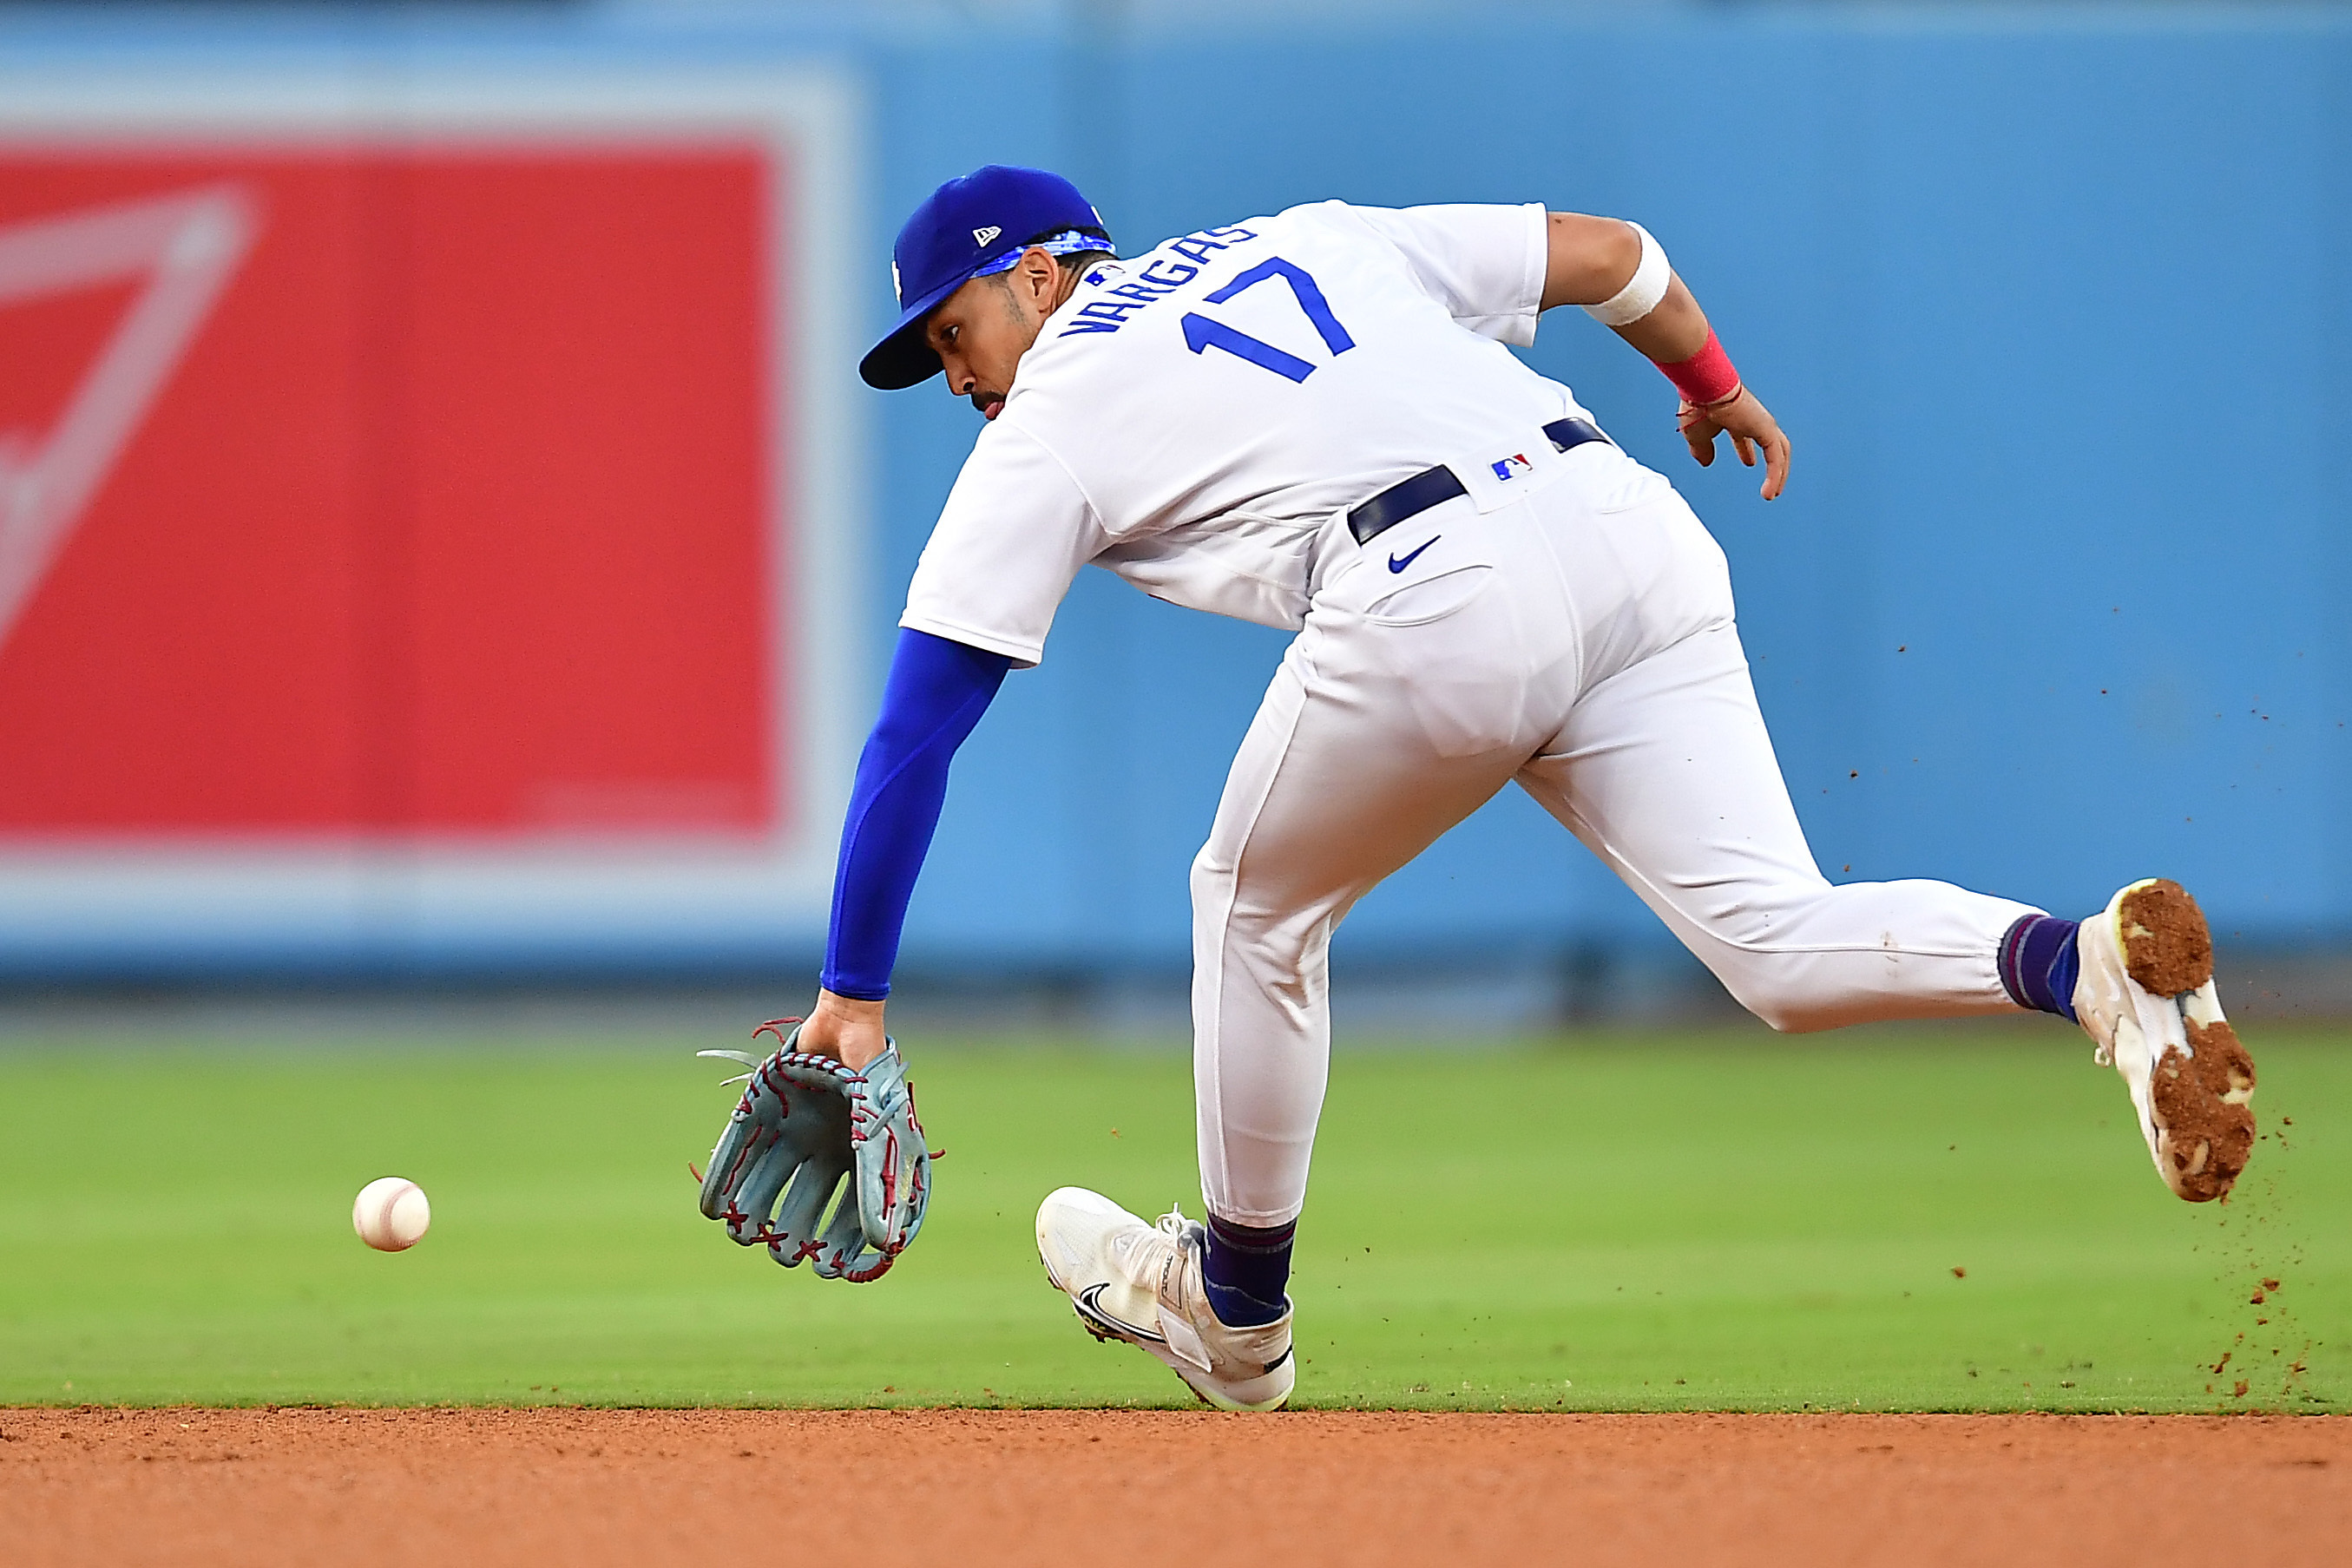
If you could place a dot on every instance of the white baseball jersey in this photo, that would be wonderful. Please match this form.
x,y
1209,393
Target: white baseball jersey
x,y
1197,419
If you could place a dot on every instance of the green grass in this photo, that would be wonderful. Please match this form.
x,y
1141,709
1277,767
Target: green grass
x,y
1726,1221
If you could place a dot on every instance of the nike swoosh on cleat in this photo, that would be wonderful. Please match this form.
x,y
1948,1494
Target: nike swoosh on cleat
x,y
1089,1303
1396,565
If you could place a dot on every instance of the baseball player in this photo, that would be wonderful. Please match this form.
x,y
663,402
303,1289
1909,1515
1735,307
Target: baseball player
x,y
1313,421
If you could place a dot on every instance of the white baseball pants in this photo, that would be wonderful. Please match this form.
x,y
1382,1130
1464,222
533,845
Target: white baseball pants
x,y
1580,641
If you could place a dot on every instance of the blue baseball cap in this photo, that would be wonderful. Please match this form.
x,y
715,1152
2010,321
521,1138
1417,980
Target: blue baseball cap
x,y
988,216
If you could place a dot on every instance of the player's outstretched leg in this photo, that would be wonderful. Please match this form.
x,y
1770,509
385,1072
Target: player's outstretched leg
x,y
1141,1284
1664,771
2146,996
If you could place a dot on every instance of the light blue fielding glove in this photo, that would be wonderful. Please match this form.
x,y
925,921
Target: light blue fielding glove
x,y
804,1123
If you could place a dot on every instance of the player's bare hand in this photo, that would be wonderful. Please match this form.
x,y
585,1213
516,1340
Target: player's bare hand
x,y
845,1028
1752,427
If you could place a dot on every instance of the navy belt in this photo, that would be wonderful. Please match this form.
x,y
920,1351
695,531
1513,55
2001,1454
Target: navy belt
x,y
1409,497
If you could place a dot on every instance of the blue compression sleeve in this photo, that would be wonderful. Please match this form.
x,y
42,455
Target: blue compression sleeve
x,y
937,691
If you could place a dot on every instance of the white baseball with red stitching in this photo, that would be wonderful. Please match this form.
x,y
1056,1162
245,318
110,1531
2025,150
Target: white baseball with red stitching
x,y
392,1213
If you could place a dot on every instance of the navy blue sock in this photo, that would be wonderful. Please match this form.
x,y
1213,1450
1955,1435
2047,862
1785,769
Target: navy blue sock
x,y
1246,1267
2039,964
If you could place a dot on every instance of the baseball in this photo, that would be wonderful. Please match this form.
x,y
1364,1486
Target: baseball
x,y
392,1213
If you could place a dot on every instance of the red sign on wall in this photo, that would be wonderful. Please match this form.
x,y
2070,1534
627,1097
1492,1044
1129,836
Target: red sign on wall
x,y
383,490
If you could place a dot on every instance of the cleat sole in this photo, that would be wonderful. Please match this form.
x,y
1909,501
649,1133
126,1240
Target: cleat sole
x,y
2201,1098
2203,1113
2166,948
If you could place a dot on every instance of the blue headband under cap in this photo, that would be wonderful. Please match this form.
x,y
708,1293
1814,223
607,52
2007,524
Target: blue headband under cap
x,y
1069,242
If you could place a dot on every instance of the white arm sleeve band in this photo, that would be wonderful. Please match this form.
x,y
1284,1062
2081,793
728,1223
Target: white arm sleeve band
x,y
1642,291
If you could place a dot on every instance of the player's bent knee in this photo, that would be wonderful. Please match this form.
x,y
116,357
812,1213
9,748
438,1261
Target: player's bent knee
x,y
1778,994
1784,987
1807,1008
1787,1015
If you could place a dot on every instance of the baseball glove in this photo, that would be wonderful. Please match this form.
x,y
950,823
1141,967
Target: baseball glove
x,y
804,1123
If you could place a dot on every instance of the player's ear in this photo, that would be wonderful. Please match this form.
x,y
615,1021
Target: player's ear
x,y
1039,274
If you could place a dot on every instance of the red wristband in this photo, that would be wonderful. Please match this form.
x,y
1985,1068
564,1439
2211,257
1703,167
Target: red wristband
x,y
1706,376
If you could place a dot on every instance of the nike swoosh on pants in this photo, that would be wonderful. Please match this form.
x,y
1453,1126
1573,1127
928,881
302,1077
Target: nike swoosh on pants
x,y
1396,565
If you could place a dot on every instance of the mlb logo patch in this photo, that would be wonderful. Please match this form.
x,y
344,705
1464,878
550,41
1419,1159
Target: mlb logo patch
x,y
1494,482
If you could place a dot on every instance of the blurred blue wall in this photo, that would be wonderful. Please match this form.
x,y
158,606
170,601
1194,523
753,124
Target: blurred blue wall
x,y
2049,298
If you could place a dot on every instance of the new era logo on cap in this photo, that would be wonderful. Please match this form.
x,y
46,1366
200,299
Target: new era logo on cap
x,y
981,236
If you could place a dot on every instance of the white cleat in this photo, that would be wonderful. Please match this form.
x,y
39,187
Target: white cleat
x,y
2146,996
1141,1284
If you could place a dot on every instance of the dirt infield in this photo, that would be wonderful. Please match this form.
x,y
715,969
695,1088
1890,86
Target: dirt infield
x,y
468,1487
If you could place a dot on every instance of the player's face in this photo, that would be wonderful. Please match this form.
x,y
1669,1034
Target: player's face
x,y
981,331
